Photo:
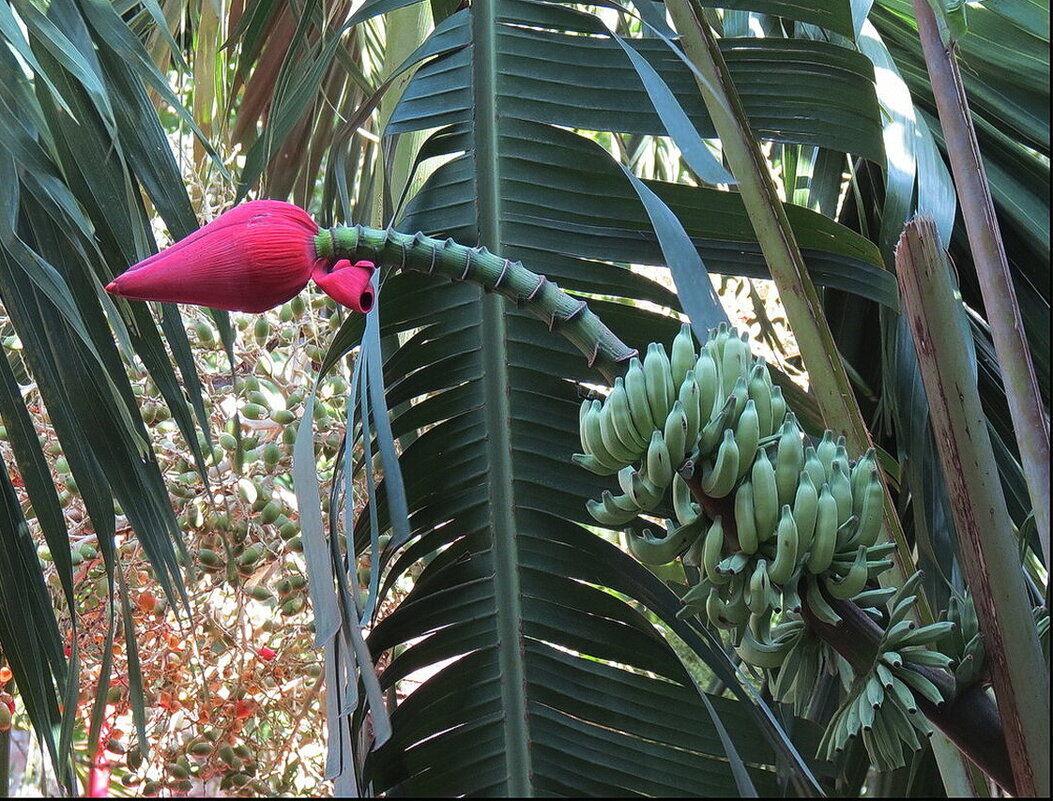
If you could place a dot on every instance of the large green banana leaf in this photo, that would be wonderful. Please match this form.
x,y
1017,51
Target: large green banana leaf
x,y
546,682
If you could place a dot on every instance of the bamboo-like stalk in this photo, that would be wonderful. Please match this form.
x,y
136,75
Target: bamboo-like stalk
x,y
987,545
539,296
829,380
992,268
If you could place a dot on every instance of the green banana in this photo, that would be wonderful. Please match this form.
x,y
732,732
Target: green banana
x,y
636,392
841,489
818,605
675,434
684,506
826,451
920,636
606,513
621,418
778,407
853,582
592,464
708,377
591,436
904,697
713,430
805,511
717,337
874,691
767,655
690,398
735,610
908,587
874,598
824,540
740,395
660,389
789,459
734,362
861,478
719,479
759,387
919,684
622,502
733,565
694,600
927,658
813,468
745,524
747,436
891,658
759,588
659,462
712,552
683,354
644,494
786,549
867,721
894,632
716,610
899,723
765,496
614,445
872,508
651,550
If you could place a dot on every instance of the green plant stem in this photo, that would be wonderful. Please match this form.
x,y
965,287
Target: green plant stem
x,y
987,544
826,372
539,296
992,267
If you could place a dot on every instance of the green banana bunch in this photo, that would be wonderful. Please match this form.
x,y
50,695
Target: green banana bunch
x,y
880,706
803,525
963,647
880,709
797,680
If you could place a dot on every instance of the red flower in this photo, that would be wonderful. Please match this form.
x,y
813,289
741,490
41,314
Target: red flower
x,y
266,653
345,283
255,256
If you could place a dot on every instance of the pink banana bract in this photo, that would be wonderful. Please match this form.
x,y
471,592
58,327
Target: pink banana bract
x,y
254,257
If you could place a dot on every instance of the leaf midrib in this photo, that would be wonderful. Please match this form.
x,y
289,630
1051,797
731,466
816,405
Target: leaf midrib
x,y
497,412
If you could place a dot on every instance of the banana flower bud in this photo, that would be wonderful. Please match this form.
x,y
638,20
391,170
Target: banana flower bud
x,y
256,256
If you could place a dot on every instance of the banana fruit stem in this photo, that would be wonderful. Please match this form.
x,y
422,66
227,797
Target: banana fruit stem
x,y
535,293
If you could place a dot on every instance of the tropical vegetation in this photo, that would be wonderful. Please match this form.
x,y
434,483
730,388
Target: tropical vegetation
x,y
397,488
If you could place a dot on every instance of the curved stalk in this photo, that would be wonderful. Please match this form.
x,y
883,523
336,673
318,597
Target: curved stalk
x,y
535,293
